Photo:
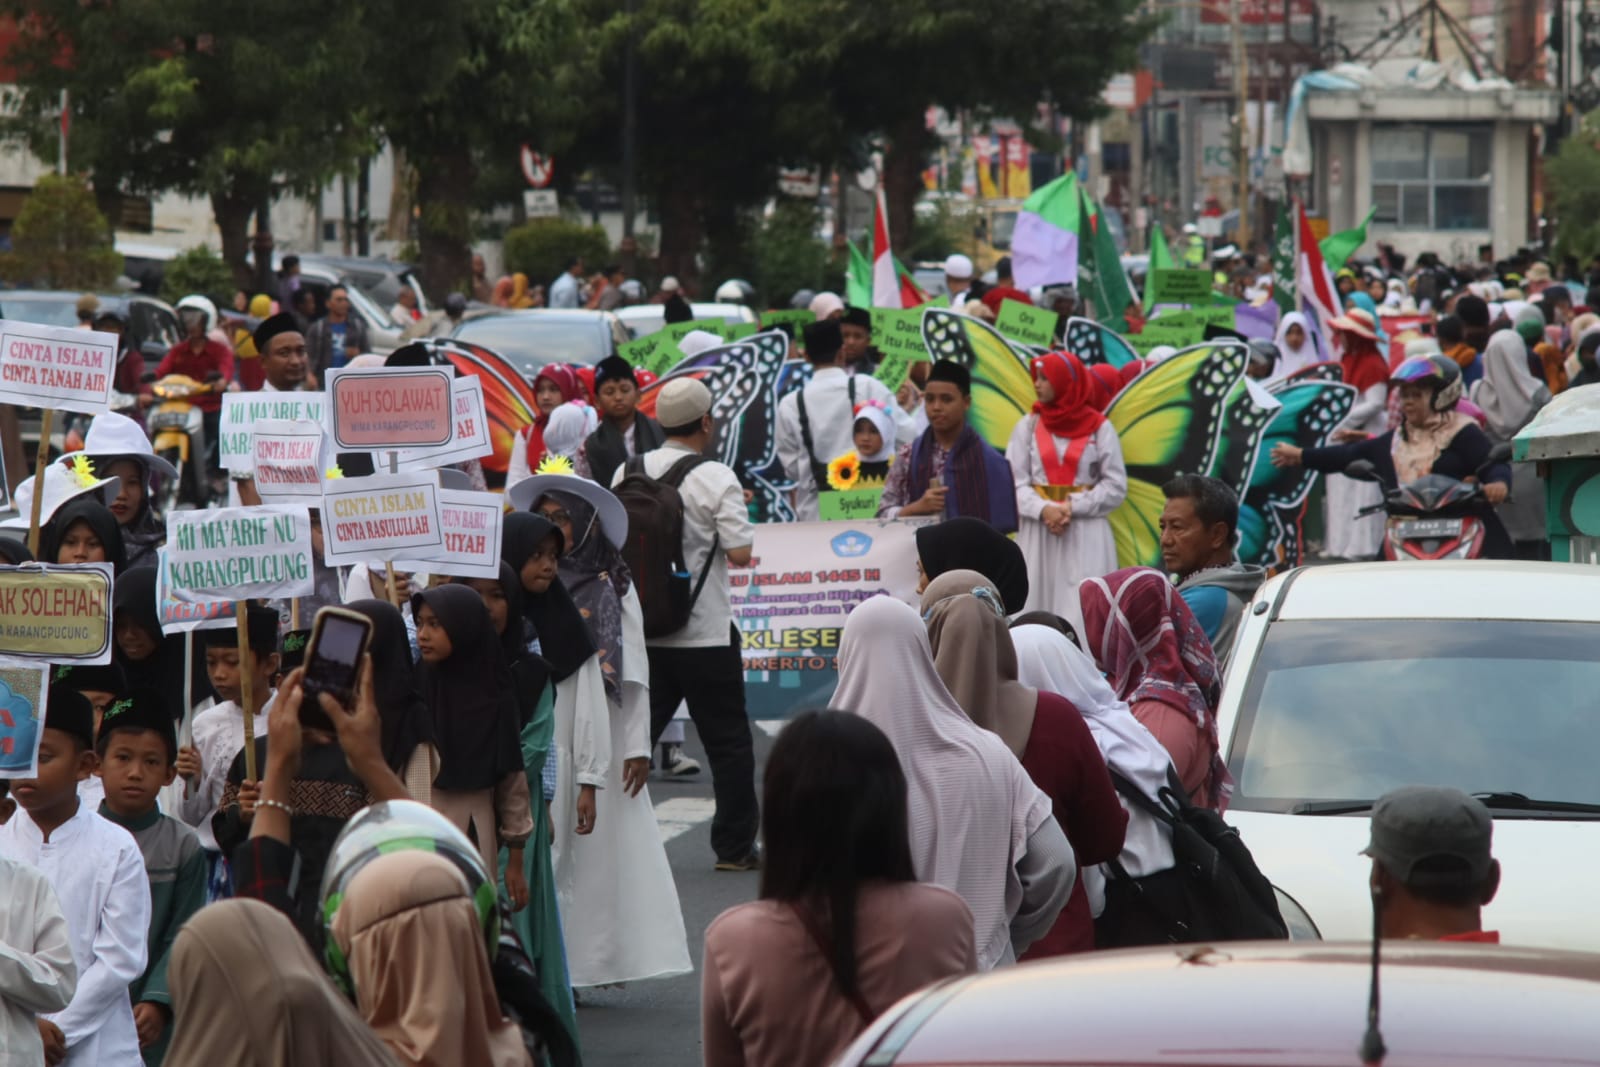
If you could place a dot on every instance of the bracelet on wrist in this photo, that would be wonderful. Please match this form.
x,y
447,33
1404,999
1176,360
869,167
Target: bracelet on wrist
x,y
280,805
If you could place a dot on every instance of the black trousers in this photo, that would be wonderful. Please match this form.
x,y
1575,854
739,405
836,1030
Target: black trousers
x,y
711,680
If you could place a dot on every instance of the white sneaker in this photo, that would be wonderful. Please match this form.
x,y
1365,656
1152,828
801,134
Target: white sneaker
x,y
675,764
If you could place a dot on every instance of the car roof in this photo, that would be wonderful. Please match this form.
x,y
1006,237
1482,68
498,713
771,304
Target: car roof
x,y
568,315
393,266
701,311
1446,589
1276,1003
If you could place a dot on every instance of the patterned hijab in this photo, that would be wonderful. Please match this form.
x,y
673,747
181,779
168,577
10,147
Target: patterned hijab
x,y
1143,635
597,578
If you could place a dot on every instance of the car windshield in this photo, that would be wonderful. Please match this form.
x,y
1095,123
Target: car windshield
x,y
532,341
1347,710
43,312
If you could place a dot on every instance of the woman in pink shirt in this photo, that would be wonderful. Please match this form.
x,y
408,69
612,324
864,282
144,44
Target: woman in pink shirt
x,y
842,929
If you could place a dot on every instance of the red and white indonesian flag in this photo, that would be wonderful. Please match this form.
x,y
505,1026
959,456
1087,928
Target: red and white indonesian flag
x,y
885,280
1313,286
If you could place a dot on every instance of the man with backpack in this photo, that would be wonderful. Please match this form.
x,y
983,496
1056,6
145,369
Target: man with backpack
x,y
687,522
815,423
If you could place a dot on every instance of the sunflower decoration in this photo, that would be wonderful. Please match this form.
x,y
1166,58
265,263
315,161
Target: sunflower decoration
x,y
844,472
555,464
83,471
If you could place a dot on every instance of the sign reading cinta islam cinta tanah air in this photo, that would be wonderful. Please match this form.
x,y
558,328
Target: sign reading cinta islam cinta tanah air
x,y
55,367
380,409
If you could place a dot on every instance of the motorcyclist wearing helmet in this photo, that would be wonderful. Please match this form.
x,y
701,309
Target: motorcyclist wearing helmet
x,y
1432,438
735,291
1264,357
130,362
205,360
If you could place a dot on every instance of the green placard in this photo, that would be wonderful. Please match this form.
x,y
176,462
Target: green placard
x,y
851,505
677,331
898,335
1214,316
657,353
735,331
1026,323
800,317
1181,286
940,301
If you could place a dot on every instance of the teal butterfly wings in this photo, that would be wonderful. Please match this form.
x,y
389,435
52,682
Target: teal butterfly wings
x,y
1272,509
1172,419
1094,342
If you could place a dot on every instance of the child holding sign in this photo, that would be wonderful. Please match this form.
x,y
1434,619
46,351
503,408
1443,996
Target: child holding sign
x,y
97,873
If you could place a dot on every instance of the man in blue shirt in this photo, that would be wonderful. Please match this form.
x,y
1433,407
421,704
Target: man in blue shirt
x,y
335,339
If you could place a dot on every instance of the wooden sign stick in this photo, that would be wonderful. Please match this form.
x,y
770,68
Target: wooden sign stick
x,y
246,669
46,417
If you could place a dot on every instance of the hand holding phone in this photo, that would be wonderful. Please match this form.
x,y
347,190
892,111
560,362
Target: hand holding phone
x,y
339,639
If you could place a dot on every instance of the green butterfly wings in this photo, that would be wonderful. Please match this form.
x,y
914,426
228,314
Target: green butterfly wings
x,y
1002,383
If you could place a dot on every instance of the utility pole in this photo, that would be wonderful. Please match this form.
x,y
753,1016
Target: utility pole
x,y
66,126
1241,124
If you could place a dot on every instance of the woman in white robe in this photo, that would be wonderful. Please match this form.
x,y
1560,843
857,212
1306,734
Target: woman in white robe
x,y
1349,536
1066,466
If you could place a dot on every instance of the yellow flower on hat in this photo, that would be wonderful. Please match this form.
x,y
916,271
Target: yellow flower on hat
x,y
555,464
844,471
332,473
83,471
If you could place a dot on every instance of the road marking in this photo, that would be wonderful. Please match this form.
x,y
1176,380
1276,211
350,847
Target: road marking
x,y
682,814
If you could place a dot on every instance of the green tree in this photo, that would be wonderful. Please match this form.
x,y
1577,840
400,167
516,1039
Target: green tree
x,y
198,270
60,240
234,100
540,249
789,256
1573,177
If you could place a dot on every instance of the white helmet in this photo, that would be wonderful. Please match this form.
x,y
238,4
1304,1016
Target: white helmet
x,y
734,291
199,303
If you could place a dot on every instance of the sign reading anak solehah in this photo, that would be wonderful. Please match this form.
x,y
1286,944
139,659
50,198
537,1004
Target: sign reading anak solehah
x,y
374,409
382,517
470,437
470,523
243,412
56,367
238,553
51,614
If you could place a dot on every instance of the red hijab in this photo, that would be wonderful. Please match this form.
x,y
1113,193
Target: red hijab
x,y
564,378
1143,635
1107,384
1072,413
1362,363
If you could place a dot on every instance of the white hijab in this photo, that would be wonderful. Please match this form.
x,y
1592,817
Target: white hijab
x,y
971,806
1508,392
880,418
1046,660
1294,360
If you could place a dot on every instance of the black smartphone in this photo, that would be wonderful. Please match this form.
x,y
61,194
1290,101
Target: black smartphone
x,y
333,662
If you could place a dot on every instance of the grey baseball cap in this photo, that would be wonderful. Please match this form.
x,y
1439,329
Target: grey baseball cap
x,y
1422,823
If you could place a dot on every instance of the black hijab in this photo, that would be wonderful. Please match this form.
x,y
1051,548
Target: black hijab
x,y
14,551
133,599
968,543
99,519
597,578
474,705
558,625
404,714
529,672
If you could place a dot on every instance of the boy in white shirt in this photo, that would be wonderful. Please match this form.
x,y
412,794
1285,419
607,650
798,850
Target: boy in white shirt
x,y
219,730
98,874
36,969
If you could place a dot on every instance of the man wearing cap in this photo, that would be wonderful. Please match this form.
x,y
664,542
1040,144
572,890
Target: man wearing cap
x,y
815,423
285,359
855,329
701,664
958,279
950,470
1432,873
623,432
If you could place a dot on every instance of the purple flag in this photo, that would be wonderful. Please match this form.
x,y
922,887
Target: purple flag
x,y
1256,323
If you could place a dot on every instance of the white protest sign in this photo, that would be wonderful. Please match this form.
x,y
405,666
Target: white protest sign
x,y
471,436
471,525
176,617
384,516
56,367
242,411
373,409
289,461
239,553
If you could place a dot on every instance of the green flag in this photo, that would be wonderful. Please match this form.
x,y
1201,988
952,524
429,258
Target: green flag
x,y
858,285
1100,274
1160,259
1339,247
1283,260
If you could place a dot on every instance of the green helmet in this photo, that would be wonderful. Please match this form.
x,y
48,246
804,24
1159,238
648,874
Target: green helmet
x,y
394,826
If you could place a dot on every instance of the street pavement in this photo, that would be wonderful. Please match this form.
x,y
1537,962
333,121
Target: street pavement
x,y
658,1022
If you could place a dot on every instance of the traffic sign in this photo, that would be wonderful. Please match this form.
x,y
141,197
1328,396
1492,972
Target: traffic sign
x,y
537,168
540,203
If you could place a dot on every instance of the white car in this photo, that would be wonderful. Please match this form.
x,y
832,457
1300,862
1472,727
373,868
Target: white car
x,y
1351,680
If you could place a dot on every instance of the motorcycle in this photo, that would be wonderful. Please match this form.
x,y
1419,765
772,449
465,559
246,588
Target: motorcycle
x,y
1433,517
177,432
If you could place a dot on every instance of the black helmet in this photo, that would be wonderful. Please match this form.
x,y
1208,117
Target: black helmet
x,y
1264,352
455,305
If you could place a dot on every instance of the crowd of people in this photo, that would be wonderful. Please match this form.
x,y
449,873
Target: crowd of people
x,y
425,873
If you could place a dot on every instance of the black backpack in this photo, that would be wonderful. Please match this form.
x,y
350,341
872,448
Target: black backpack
x,y
654,549
1213,892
